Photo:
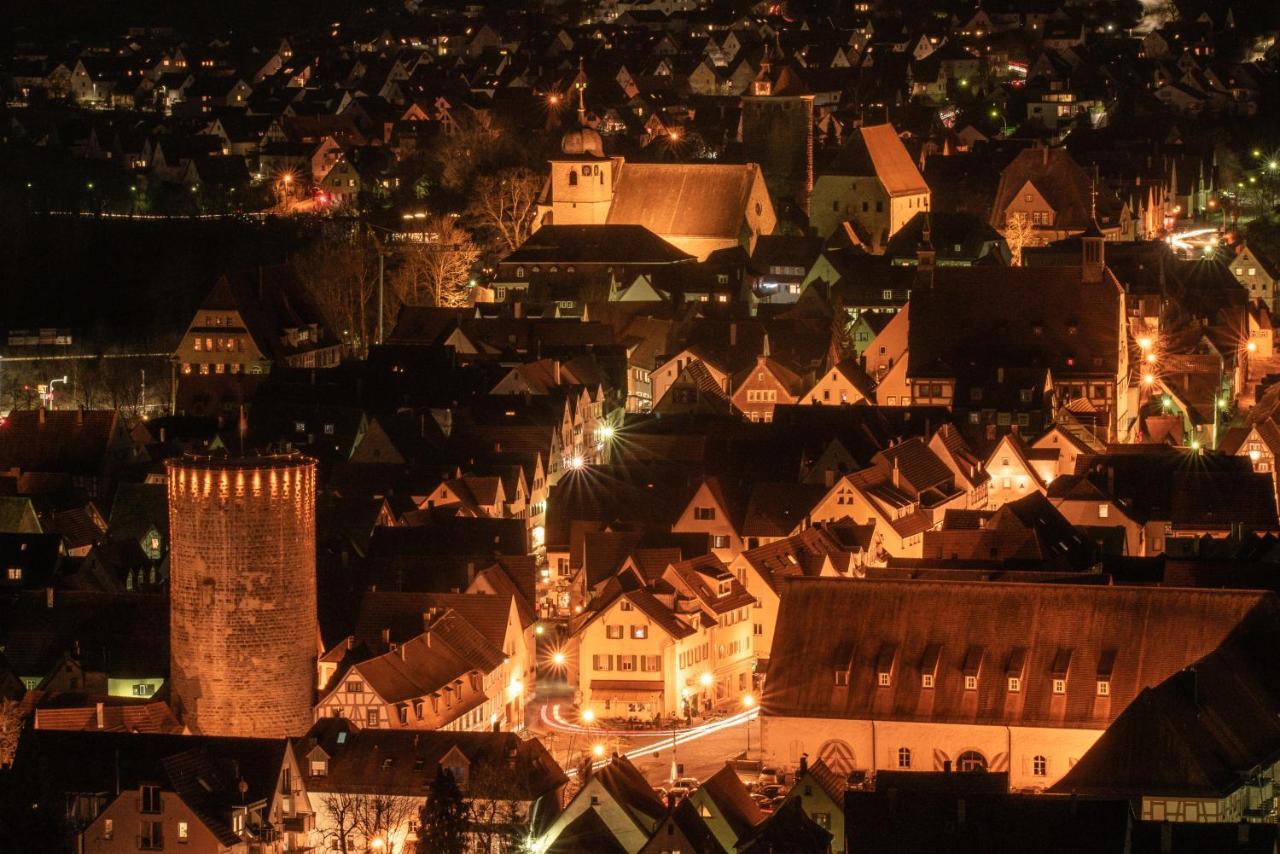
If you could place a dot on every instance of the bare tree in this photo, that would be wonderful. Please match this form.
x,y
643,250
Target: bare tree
x,y
506,202
339,831
497,810
11,721
356,820
1018,234
341,274
437,269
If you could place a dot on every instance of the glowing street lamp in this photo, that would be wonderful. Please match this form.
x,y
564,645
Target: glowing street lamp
x,y
597,750
1252,346
558,659
1144,343
588,716
1148,379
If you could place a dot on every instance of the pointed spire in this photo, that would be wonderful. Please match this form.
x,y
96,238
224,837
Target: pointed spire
x,y
581,85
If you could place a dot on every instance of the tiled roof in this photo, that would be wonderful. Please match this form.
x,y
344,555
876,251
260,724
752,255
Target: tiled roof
x,y
727,791
1202,732
684,200
877,150
60,440
359,763
596,244
151,717
1139,635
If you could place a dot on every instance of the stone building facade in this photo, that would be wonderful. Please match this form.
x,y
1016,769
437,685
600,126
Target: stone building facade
x,y
242,624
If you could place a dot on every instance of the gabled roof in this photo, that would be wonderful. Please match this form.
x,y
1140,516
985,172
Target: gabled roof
x,y
877,150
59,440
1202,732
727,792
596,244
357,762
1139,636
684,199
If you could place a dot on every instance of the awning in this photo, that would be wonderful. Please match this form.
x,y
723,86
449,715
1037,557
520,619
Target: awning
x,y
627,687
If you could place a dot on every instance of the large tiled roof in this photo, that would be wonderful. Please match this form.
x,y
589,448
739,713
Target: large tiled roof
x,y
57,441
596,244
1038,632
1047,317
1201,732
359,763
877,150
684,199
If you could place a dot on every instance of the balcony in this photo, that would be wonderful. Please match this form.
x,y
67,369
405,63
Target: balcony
x,y
300,823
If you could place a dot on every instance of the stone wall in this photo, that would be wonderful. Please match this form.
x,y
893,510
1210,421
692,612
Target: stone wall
x,y
243,594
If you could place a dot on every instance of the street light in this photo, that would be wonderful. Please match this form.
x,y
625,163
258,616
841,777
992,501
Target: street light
x,y
558,659
597,750
587,716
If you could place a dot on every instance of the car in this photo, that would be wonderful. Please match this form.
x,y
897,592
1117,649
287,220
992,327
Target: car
x,y
773,790
762,803
767,776
690,783
676,793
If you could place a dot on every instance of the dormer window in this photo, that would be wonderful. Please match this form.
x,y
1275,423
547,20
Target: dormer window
x,y
1060,670
929,665
886,662
319,767
1013,669
1105,665
723,588
842,677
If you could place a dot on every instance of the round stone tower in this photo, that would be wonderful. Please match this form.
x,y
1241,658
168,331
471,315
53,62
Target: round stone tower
x,y
242,593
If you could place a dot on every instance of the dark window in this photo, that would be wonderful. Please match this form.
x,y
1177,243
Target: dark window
x,y
573,178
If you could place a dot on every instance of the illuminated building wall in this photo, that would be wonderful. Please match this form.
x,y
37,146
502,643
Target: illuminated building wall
x,y
243,594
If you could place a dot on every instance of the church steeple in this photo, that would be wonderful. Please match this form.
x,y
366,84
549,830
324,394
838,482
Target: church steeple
x,y
1092,260
580,83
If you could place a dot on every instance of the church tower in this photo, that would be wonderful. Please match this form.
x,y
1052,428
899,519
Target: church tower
x,y
581,177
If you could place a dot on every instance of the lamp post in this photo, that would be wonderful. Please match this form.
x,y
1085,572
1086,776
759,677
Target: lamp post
x,y
49,395
749,702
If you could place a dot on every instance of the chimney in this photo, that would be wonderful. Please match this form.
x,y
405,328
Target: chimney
x,y
98,715
555,366
40,415
162,435
48,597
764,347
1044,155
733,338
517,310
471,572
897,475
946,766
804,764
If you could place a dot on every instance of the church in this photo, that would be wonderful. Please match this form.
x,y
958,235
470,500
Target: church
x,y
697,207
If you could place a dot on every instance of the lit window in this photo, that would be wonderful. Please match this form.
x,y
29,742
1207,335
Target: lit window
x,y
1059,686
1015,684
884,680
15,573
1104,688
971,683
639,632
1039,766
108,828
182,831
926,680
1103,511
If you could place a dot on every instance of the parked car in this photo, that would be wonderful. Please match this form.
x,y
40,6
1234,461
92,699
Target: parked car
x,y
690,783
675,793
768,775
773,790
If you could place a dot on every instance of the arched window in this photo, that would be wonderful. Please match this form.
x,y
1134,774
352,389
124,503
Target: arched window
x,y
904,757
573,178
971,760
586,171
519,272
1039,766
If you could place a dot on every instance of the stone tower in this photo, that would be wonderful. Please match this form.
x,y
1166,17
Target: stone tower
x,y
242,593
